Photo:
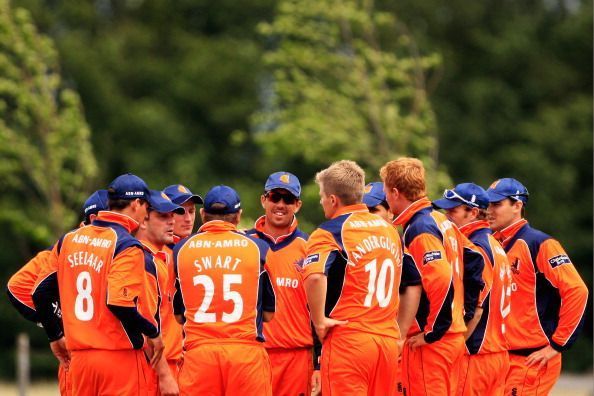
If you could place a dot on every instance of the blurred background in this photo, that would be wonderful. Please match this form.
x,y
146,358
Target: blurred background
x,y
206,92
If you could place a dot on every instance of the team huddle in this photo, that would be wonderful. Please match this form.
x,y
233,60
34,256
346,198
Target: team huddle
x,y
389,296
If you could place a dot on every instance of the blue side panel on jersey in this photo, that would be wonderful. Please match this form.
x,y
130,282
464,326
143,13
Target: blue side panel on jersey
x,y
474,342
334,227
421,223
262,246
335,270
423,311
277,246
481,238
149,264
443,321
410,273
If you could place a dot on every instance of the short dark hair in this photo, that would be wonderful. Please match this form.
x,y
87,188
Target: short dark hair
x,y
228,217
120,204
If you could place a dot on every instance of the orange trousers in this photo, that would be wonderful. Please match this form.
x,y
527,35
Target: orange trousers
x,y
482,375
291,371
529,381
103,372
433,369
64,381
226,368
358,364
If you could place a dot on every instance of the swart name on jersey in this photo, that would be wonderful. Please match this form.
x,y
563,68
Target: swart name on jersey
x,y
87,240
209,262
226,243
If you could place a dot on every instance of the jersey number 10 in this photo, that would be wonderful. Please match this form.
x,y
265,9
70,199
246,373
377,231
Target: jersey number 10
x,y
379,287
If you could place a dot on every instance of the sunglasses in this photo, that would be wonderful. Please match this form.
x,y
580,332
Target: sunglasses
x,y
451,194
276,197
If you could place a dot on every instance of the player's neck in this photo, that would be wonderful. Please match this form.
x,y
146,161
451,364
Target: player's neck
x,y
276,232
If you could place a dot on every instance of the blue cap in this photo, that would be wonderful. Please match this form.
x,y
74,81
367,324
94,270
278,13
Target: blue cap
x,y
507,188
224,195
285,180
469,194
95,203
128,186
180,194
160,202
374,194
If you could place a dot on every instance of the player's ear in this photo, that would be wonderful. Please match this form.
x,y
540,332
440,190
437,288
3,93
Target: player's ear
x,y
298,204
202,215
262,199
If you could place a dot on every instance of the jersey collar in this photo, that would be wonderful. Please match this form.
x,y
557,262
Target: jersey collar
x,y
154,250
508,232
217,226
470,228
411,210
261,222
356,208
118,218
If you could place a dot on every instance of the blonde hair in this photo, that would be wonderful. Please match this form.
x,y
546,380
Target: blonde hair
x,y
407,175
345,179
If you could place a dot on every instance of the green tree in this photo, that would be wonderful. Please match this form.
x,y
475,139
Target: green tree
x,y
345,82
46,159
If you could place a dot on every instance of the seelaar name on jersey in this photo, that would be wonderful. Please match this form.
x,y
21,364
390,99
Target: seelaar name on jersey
x,y
85,258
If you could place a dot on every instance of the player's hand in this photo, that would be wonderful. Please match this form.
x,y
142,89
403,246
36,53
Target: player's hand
x,y
400,344
326,324
418,340
316,383
156,345
541,357
168,386
60,351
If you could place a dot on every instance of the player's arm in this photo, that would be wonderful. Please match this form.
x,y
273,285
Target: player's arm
x,y
474,263
410,294
437,280
46,296
125,282
560,271
268,297
20,286
167,384
321,253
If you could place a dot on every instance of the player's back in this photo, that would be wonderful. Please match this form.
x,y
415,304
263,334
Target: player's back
x,y
84,260
369,252
218,272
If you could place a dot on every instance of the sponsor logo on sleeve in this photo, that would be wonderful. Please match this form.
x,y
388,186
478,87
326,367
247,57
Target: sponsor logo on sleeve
x,y
431,256
559,260
312,258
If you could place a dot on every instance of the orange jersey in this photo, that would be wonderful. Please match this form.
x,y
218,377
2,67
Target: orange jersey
x,y
172,331
361,254
157,282
99,265
291,327
21,284
548,296
438,250
221,283
489,335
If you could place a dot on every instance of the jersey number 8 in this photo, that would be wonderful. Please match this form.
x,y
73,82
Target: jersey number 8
x,y
83,305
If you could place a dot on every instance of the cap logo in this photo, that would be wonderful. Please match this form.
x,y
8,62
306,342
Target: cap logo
x,y
368,188
285,179
182,189
494,184
164,196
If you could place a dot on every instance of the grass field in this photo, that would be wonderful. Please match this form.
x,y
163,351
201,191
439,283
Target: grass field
x,y
568,385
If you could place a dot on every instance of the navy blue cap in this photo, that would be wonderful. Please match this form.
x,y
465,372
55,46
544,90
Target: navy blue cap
x,y
507,188
180,194
285,180
374,194
469,194
128,186
224,195
160,202
95,203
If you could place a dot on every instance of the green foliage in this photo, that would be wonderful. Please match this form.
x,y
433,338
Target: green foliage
x,y
345,82
46,157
